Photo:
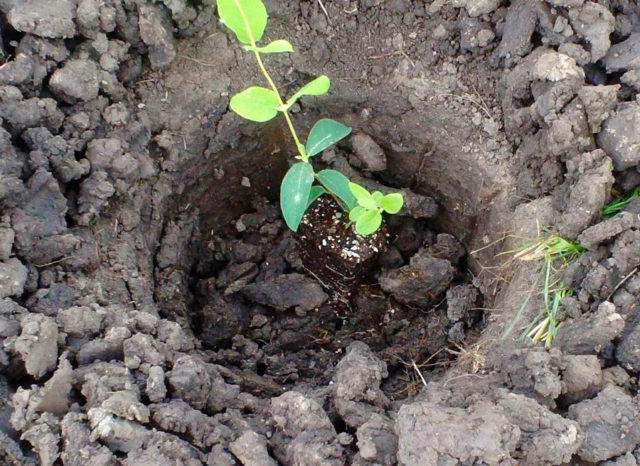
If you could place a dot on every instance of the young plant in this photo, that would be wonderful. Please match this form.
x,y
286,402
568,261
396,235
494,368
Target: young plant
x,y
367,215
248,20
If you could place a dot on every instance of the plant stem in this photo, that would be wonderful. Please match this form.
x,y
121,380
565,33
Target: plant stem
x,y
303,156
285,113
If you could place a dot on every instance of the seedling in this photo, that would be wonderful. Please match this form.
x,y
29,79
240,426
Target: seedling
x,y
617,205
556,253
248,20
367,215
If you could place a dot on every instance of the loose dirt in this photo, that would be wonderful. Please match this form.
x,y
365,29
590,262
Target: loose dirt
x,y
154,308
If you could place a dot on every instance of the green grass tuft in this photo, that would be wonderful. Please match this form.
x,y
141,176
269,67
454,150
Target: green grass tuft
x,y
546,325
617,205
556,253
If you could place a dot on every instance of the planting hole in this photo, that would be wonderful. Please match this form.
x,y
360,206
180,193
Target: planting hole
x,y
288,304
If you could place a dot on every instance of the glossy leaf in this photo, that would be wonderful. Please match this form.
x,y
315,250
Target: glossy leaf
x,y
294,193
338,184
324,134
277,46
238,14
364,198
255,104
318,86
392,203
368,222
356,212
315,193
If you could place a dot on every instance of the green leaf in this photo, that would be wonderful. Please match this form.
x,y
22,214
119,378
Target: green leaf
x,y
368,203
365,199
315,193
356,212
318,86
338,184
325,133
246,18
295,191
368,222
358,191
255,104
392,203
277,46
377,196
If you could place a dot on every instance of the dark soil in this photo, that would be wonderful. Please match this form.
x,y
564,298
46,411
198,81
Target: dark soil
x,y
154,309
309,295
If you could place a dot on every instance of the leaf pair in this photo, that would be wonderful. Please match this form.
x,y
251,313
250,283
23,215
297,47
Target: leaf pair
x,y
297,192
261,104
367,215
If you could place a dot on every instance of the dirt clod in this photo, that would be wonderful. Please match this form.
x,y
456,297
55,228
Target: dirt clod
x,y
52,19
368,152
287,291
77,80
420,282
619,136
628,352
587,336
612,415
582,378
428,434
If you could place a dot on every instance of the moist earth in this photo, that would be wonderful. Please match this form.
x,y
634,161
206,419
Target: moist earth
x,y
155,309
